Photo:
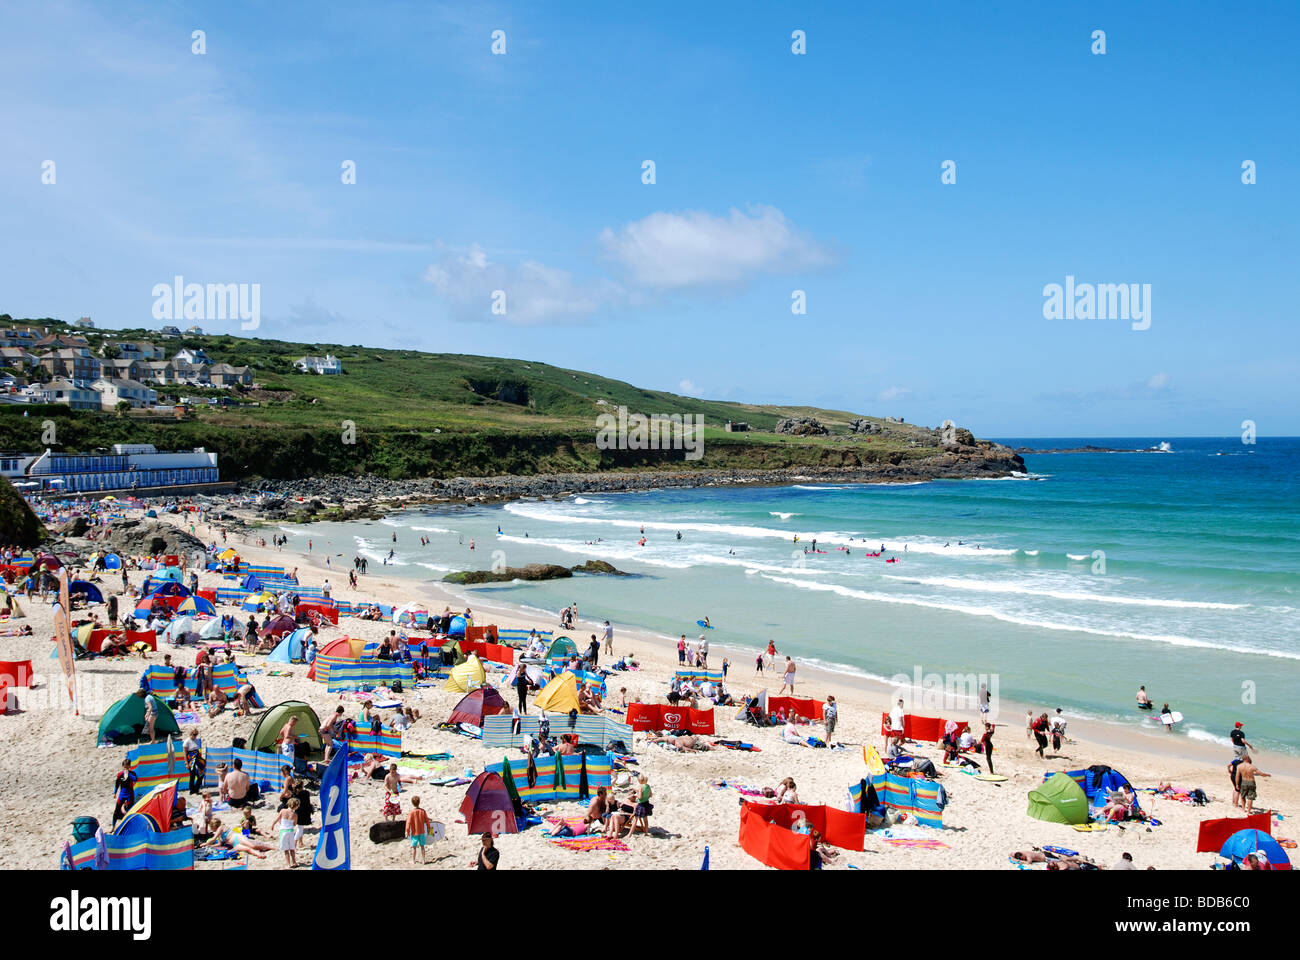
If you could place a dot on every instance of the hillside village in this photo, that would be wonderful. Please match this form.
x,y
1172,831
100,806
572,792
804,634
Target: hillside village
x,y
54,365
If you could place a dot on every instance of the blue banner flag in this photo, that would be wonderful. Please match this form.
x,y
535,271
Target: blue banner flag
x,y
333,846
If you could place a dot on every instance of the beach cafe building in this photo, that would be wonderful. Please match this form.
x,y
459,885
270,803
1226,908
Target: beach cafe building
x,y
129,466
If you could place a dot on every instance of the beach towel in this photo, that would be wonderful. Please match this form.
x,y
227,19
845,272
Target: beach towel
x,y
587,844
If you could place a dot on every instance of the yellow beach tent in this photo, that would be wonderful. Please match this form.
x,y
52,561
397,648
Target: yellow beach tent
x,y
466,677
560,695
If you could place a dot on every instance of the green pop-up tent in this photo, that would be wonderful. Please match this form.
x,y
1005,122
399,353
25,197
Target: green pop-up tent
x,y
125,718
268,727
1058,800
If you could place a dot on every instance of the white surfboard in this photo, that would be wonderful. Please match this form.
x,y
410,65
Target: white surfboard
x,y
1169,719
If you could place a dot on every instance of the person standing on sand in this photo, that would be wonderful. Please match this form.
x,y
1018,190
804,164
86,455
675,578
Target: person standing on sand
x,y
987,742
608,637
681,651
830,716
521,685
758,665
1239,742
1040,735
1029,724
417,828
787,678
1246,774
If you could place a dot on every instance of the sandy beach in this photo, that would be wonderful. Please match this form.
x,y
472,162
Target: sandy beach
x,y
52,772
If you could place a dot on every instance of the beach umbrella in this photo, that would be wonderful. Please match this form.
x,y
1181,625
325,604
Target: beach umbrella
x,y
50,560
1245,842
254,601
197,604
228,554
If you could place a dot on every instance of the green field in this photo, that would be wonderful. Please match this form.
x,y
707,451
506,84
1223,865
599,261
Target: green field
x,y
426,414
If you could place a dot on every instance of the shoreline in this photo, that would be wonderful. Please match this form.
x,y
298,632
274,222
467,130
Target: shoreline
x,y
52,752
844,684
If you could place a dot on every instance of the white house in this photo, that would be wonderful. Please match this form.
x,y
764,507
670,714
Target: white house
x,y
325,365
76,394
132,391
192,355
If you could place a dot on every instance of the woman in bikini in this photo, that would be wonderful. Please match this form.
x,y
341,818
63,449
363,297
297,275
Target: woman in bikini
x,y
225,839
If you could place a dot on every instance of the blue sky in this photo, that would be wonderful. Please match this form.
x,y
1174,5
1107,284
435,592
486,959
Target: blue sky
x,y
774,172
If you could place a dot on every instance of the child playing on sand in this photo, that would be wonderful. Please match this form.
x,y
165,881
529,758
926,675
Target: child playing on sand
x,y
417,828
287,822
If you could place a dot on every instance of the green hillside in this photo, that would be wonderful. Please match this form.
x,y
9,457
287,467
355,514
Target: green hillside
x,y
419,414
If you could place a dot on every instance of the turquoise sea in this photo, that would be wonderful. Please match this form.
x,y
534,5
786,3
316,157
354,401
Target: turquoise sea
x,y
1069,586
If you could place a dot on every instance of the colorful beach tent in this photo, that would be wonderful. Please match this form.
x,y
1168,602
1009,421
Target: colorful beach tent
x,y
170,573
457,627
268,727
166,588
337,650
467,676
1244,842
562,647
86,589
560,695
112,561
292,648
229,553
279,626
153,811
1059,800
487,807
477,704
1099,781
126,718
451,654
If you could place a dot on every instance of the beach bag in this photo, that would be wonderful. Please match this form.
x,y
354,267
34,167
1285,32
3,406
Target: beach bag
x,y
396,686
83,828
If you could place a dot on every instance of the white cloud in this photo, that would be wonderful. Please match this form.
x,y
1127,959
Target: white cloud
x,y
697,249
1158,381
688,388
890,394
534,292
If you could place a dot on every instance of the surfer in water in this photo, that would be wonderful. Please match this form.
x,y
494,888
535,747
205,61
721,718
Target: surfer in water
x,y
706,621
679,534
1166,712
1144,702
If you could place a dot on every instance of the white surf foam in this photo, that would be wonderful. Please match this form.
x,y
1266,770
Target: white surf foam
x,y
990,586
1171,639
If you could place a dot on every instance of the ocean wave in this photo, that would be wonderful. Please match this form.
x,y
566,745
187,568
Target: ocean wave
x,y
601,551
1198,734
433,529
989,586
783,516
1079,556
820,486
547,514
1174,640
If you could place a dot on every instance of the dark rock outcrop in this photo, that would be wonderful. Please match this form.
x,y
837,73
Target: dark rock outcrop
x,y
801,427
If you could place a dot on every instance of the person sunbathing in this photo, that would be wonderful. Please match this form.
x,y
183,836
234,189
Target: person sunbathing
x,y
597,810
217,701
226,839
786,792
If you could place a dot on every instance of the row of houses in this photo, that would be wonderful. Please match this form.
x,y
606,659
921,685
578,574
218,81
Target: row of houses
x,y
68,357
